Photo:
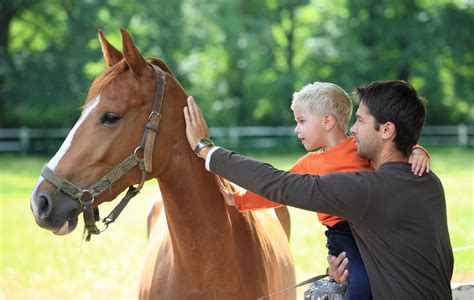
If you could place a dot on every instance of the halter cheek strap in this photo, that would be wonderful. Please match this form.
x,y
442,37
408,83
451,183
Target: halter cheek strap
x,y
91,215
153,124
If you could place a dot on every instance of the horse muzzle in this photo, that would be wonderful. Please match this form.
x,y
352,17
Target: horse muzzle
x,y
54,210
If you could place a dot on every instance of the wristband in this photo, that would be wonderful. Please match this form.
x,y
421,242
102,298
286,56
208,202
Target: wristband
x,y
202,144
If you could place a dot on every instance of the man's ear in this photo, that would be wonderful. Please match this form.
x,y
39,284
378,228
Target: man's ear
x,y
388,131
329,121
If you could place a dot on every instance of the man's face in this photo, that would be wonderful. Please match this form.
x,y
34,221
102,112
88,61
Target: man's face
x,y
364,132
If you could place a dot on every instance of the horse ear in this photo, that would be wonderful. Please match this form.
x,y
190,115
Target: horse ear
x,y
132,56
111,54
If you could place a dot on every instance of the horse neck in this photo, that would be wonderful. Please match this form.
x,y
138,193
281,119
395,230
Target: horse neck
x,y
196,214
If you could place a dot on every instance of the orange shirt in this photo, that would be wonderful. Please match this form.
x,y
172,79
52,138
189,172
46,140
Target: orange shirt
x,y
342,158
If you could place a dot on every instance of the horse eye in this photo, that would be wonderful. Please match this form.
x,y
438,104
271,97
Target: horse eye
x,y
109,119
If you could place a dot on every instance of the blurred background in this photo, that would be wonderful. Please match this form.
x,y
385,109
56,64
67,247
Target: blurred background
x,y
242,60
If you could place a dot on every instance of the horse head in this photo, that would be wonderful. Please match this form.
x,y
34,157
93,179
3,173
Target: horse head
x,y
112,145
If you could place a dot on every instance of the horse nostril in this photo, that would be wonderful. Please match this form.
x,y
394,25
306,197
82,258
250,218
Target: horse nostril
x,y
44,207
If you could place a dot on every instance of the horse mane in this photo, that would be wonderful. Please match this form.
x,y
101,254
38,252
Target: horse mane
x,y
104,79
160,63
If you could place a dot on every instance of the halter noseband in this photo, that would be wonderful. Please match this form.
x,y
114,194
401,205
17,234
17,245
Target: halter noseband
x,y
91,215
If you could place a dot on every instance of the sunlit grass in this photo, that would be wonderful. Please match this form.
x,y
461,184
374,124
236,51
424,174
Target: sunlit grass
x,y
35,264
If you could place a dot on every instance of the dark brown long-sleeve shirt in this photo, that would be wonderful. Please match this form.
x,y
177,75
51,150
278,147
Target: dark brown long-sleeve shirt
x,y
398,219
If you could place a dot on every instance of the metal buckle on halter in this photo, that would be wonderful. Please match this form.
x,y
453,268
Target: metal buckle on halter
x,y
88,202
106,225
135,152
154,113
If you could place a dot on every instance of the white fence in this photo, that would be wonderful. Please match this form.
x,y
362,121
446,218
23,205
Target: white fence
x,y
33,140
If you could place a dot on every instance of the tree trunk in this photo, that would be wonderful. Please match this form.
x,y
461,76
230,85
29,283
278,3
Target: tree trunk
x,y
404,70
8,12
290,52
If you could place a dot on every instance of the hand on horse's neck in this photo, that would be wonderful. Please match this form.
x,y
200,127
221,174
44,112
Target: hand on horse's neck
x,y
195,211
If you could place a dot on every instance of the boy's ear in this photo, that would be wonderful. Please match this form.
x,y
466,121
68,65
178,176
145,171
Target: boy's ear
x,y
329,122
388,131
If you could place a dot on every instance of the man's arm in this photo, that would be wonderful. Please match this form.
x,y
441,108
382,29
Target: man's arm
x,y
341,194
246,200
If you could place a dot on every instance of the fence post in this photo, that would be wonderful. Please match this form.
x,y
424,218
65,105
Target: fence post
x,y
234,137
24,140
462,135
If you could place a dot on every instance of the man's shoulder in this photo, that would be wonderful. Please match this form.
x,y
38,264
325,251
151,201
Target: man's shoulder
x,y
402,170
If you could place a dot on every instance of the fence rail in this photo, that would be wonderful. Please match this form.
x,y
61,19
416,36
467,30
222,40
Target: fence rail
x,y
34,140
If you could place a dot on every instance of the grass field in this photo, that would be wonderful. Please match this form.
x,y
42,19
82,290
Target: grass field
x,y
35,264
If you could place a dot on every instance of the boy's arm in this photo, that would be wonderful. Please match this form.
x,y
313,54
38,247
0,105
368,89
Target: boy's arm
x,y
246,200
419,160
421,148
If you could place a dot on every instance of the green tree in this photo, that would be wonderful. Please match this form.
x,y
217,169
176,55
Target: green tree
x,y
49,48
241,59
9,9
412,41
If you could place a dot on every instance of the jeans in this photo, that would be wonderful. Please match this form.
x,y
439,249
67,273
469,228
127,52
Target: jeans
x,y
339,239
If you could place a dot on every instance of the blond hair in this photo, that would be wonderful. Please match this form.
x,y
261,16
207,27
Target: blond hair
x,y
325,98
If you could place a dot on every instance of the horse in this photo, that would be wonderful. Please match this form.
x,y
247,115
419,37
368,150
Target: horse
x,y
198,247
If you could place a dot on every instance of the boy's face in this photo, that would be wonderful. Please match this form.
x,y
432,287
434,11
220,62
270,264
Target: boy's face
x,y
309,128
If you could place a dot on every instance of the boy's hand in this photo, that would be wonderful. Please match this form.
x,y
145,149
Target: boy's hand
x,y
227,193
196,126
420,162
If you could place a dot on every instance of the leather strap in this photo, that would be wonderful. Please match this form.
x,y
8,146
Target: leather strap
x,y
97,188
61,183
89,220
153,124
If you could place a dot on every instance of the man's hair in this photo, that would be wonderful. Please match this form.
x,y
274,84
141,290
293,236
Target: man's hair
x,y
398,102
325,98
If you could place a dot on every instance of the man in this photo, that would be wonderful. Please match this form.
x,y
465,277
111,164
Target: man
x,y
398,219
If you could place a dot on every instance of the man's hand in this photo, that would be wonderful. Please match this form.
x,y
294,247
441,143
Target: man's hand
x,y
196,126
420,162
338,268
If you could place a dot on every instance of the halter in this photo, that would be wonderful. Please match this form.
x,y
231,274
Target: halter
x,y
91,215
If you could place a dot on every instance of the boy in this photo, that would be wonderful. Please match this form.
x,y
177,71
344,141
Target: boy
x,y
322,112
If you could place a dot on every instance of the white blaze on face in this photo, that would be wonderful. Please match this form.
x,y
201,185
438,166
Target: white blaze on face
x,y
67,142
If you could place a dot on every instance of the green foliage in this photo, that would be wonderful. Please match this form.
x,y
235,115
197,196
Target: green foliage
x,y
241,59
